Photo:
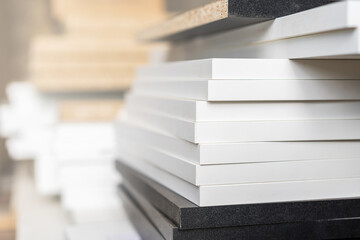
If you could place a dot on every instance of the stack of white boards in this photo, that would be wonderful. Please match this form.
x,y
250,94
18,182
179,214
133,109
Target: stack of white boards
x,y
70,137
230,132
26,121
276,126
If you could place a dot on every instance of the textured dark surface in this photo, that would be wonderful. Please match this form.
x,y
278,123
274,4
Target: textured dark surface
x,y
271,8
187,215
338,229
246,12
296,231
142,225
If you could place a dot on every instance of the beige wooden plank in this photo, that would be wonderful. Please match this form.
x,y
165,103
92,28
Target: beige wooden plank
x,y
55,85
83,77
83,82
7,222
54,49
81,43
89,110
129,56
200,16
222,15
107,8
83,69
109,26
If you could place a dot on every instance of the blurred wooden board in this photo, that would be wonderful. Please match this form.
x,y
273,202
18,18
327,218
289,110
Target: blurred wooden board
x,y
107,8
83,77
8,235
126,55
83,43
59,85
123,55
60,49
81,70
89,111
223,15
109,26
7,222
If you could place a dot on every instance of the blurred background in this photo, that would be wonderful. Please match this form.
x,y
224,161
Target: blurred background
x,y
64,68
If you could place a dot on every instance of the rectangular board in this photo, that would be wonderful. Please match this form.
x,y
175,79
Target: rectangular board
x,y
245,172
223,15
203,111
98,110
170,232
75,49
187,215
235,194
143,226
121,9
317,35
247,131
249,69
245,152
305,230
252,90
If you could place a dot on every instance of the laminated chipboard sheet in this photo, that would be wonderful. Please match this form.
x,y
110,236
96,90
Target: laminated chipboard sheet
x,y
144,227
248,69
243,173
253,90
244,152
248,131
318,34
217,16
187,215
323,229
219,195
203,111
171,232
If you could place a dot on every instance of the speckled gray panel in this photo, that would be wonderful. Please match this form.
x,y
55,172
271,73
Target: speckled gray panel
x,y
187,215
317,230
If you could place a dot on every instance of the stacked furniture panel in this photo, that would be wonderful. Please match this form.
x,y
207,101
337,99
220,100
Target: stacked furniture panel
x,y
249,145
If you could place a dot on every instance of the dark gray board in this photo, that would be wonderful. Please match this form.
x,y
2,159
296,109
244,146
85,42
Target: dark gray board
x,y
246,12
187,215
271,8
342,229
294,231
142,225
